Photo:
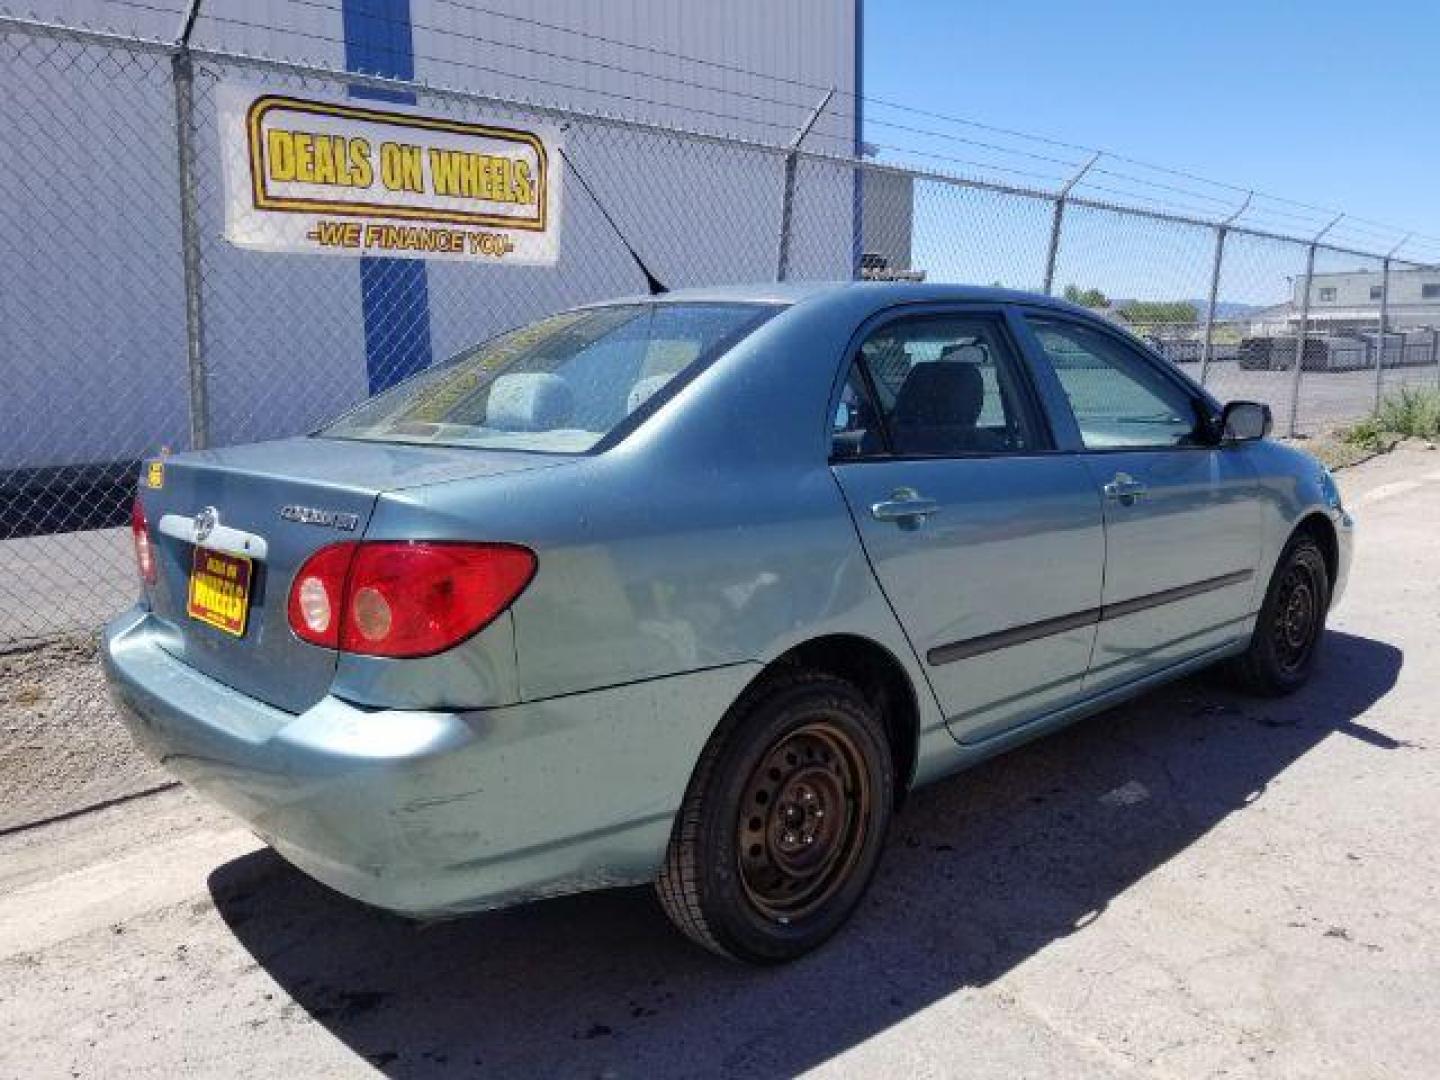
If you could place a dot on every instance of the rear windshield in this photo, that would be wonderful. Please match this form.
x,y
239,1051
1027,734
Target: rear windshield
x,y
561,385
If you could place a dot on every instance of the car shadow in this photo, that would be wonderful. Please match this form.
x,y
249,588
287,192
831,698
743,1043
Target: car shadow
x,y
984,870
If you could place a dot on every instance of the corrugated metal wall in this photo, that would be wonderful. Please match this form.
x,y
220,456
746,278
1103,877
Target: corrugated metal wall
x,y
744,67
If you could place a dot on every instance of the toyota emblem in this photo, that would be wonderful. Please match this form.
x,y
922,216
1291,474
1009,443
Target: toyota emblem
x,y
205,522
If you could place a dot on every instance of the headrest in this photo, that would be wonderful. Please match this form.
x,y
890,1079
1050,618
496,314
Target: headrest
x,y
965,354
644,390
941,392
533,401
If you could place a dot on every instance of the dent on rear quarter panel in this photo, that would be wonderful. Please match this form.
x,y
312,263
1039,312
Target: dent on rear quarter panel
x,y
478,673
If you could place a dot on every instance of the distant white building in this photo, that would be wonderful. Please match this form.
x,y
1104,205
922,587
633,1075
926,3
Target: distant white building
x,y
1352,301
887,225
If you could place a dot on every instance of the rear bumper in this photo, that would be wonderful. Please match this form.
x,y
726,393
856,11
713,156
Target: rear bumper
x,y
430,813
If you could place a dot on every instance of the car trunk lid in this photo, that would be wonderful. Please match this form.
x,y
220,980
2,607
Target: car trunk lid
x,y
259,512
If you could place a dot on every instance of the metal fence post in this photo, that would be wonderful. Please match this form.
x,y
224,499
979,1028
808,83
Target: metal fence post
x,y
1058,221
183,78
1300,339
787,194
1384,326
1221,231
1304,326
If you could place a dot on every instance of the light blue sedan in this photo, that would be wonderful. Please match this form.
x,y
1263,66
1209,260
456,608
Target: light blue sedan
x,y
694,588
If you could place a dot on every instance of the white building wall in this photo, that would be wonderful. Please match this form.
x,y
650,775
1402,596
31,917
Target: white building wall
x,y
1345,297
91,315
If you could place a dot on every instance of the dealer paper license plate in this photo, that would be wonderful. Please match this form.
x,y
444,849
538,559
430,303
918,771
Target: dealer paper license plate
x,y
220,590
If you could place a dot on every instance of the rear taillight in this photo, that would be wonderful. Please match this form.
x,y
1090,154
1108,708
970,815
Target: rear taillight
x,y
144,549
404,599
317,595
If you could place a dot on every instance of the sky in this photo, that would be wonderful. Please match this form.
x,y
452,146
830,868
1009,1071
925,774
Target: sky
x,y
1324,102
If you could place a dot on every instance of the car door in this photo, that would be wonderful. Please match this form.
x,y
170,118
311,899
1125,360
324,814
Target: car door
x,y
1182,517
987,543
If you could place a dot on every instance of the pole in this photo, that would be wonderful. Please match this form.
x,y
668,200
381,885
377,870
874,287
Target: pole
x,y
787,195
1221,231
1055,223
1210,309
1384,326
1300,339
1058,221
1304,325
183,79
1385,321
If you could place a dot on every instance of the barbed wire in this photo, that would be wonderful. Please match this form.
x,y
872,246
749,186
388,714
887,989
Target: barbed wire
x,y
527,77
916,110
1264,208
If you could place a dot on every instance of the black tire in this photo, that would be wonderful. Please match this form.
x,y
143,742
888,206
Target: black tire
x,y
739,877
1286,641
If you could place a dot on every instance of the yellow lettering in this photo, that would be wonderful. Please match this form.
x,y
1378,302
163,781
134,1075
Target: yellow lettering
x,y
304,157
524,188
362,175
280,154
500,179
445,171
414,169
402,167
458,174
325,171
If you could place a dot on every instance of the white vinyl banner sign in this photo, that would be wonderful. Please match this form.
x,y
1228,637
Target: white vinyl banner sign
x,y
350,177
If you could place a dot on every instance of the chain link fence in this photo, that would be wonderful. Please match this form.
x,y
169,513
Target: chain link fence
x,y
130,324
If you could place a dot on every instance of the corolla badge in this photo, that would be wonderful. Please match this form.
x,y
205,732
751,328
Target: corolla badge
x,y
310,515
205,522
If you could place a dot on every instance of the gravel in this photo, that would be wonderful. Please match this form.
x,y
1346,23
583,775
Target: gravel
x,y
62,746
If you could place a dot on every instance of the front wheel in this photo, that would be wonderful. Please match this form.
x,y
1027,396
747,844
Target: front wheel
x,y
784,821
1291,623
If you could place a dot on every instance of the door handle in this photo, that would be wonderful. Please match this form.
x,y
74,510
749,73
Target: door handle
x,y
906,507
1124,489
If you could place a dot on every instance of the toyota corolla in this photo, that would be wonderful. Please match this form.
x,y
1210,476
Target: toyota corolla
x,y
693,589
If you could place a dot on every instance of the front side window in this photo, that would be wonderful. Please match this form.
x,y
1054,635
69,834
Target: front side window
x,y
943,386
560,385
1430,292
1327,294
1119,399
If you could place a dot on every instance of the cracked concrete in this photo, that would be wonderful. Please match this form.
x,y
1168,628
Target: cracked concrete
x,y
1197,884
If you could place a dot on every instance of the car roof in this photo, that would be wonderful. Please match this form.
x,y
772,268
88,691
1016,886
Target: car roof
x,y
857,296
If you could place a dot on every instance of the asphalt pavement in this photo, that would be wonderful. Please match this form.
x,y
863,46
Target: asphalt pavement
x,y
1197,884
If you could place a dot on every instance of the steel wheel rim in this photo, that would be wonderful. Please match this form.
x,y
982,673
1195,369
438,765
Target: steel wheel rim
x,y
803,821
1296,621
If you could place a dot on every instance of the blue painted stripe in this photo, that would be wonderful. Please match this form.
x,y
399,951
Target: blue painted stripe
x,y
394,293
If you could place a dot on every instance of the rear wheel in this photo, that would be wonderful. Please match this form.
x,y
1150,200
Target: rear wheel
x,y
784,822
1291,623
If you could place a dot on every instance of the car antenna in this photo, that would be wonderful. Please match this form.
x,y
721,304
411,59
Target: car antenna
x,y
655,285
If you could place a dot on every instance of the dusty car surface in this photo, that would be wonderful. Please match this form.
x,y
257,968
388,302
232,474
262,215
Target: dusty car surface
x,y
694,588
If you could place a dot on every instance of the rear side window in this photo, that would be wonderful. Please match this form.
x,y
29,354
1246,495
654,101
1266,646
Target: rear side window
x,y
1118,397
934,386
560,385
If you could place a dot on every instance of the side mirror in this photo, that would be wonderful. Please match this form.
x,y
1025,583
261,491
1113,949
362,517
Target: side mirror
x,y
1245,421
